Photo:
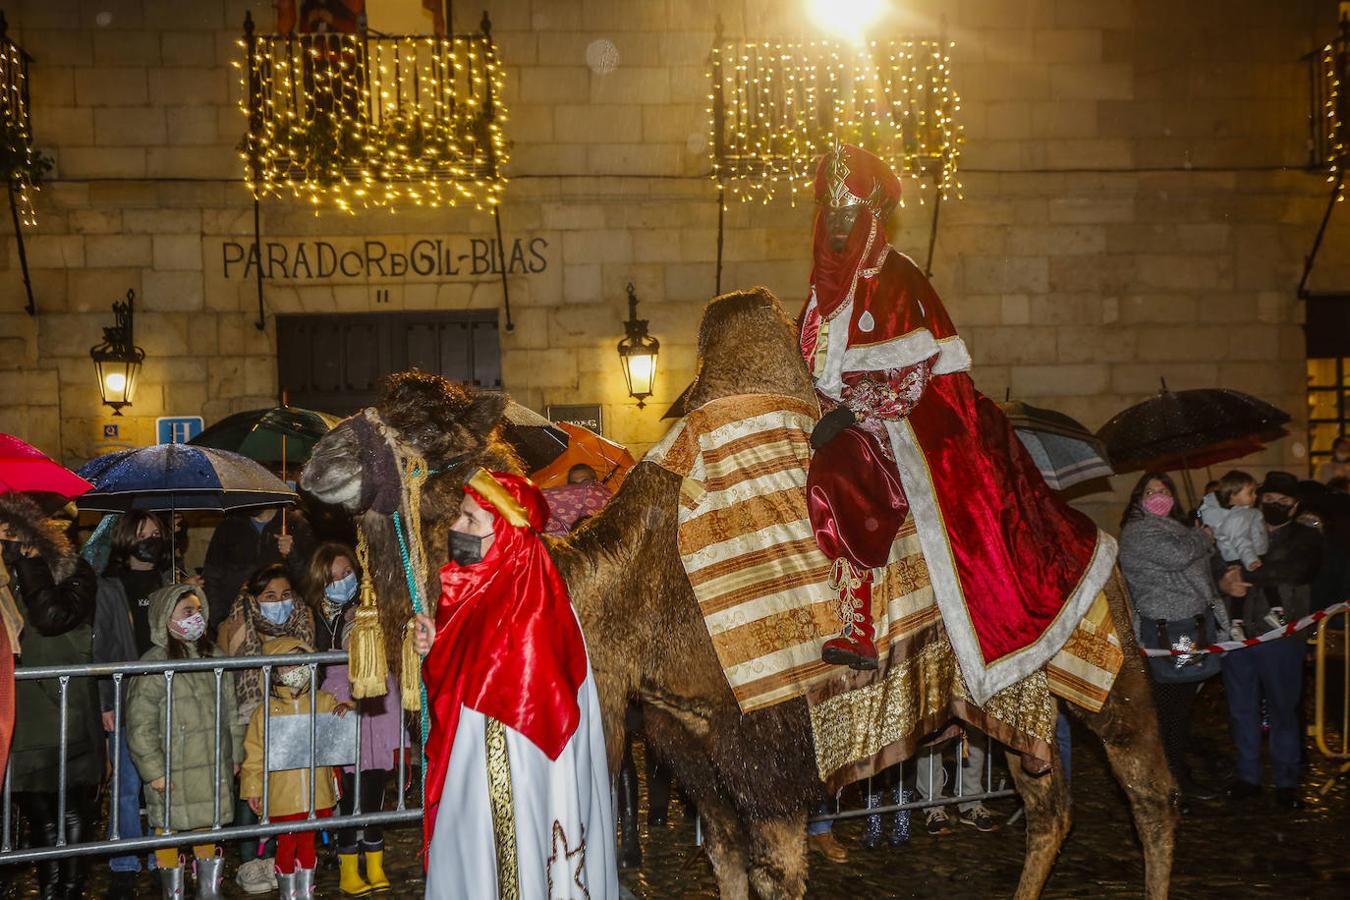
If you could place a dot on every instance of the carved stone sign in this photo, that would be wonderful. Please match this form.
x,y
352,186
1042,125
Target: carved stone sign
x,y
410,257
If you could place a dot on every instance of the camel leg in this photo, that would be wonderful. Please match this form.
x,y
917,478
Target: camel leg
x,y
1045,799
724,842
778,865
1128,727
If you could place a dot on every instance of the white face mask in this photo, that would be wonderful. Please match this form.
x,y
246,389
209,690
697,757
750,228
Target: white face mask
x,y
190,627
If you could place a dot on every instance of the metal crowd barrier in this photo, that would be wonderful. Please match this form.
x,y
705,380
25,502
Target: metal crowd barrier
x,y
1330,746
1326,744
934,764
217,833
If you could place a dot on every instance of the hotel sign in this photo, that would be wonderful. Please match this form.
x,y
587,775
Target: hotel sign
x,y
404,258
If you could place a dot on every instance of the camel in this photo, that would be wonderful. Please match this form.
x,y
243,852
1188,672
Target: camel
x,y
752,776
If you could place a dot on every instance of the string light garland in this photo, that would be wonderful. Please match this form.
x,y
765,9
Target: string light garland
x,y
21,165
775,106
354,120
1332,149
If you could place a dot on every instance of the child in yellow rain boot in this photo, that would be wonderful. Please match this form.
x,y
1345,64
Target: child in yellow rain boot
x,y
334,578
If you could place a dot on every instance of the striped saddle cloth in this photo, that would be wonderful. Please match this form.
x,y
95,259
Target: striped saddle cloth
x,y
763,585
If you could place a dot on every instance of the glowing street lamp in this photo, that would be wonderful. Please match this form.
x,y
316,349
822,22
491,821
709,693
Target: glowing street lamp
x,y
118,360
637,352
847,19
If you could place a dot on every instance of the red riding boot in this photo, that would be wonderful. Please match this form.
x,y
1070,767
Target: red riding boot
x,y
854,647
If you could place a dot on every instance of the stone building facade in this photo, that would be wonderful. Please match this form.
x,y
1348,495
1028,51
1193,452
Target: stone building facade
x,y
1137,205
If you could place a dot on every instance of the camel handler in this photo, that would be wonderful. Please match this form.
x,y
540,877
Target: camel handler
x,y
1013,568
517,783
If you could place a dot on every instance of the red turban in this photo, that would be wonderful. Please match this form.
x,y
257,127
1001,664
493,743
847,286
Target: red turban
x,y
849,176
507,640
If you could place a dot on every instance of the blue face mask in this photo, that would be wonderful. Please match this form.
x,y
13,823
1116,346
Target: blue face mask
x,y
342,590
276,613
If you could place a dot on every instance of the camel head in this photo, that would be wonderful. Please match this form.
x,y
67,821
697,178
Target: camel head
x,y
445,423
355,467
748,345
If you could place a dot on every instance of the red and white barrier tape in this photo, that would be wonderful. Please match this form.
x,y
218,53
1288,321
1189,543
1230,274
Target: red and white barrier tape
x,y
1272,635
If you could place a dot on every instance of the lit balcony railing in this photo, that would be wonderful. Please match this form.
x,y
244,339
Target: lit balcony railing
x,y
775,106
366,120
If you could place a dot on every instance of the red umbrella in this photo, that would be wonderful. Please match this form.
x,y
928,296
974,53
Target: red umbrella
x,y
25,468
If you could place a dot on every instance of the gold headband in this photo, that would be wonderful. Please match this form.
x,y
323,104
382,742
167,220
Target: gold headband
x,y
493,492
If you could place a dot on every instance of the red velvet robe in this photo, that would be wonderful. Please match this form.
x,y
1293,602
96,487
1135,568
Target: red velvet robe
x,y
1013,567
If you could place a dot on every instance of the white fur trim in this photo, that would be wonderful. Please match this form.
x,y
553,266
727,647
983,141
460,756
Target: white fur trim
x,y
983,681
952,357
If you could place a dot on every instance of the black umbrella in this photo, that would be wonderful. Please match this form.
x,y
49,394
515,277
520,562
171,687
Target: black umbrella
x,y
537,440
1180,429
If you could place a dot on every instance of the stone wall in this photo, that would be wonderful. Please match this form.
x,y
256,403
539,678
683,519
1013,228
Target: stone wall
x,y
1136,205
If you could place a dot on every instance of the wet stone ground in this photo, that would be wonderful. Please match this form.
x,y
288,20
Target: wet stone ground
x,y
1223,849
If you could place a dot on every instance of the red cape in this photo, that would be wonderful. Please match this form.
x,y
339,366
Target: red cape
x,y
1012,566
507,644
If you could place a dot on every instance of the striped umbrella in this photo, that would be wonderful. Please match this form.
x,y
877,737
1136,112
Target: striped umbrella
x,y
1064,451
179,477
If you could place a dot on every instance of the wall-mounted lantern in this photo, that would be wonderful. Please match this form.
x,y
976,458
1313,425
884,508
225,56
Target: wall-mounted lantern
x,y
118,360
637,352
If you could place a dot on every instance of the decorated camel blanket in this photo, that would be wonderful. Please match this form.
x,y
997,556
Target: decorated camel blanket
x,y
763,587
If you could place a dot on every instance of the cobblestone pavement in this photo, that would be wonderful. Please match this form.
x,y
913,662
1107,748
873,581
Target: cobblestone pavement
x,y
1223,850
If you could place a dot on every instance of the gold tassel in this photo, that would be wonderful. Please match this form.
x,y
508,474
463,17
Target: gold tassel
x,y
367,668
410,677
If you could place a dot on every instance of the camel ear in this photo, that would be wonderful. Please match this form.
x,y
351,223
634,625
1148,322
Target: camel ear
x,y
484,412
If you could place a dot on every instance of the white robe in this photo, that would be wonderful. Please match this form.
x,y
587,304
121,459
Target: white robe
x,y
564,825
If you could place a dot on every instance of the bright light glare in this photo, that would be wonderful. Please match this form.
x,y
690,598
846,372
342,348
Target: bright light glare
x,y
115,381
846,19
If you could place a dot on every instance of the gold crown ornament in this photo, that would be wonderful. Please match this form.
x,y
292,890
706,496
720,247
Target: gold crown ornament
x,y
837,193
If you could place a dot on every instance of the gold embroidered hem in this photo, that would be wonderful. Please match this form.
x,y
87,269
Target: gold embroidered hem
x,y
503,809
864,730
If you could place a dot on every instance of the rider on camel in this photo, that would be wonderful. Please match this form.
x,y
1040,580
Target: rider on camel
x,y
1013,568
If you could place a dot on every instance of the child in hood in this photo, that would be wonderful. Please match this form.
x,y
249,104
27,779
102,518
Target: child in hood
x,y
288,797
195,786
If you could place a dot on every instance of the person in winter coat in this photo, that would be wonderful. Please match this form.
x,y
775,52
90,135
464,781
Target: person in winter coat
x,y
1273,671
266,608
245,542
178,628
333,582
1166,563
53,591
137,566
288,796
